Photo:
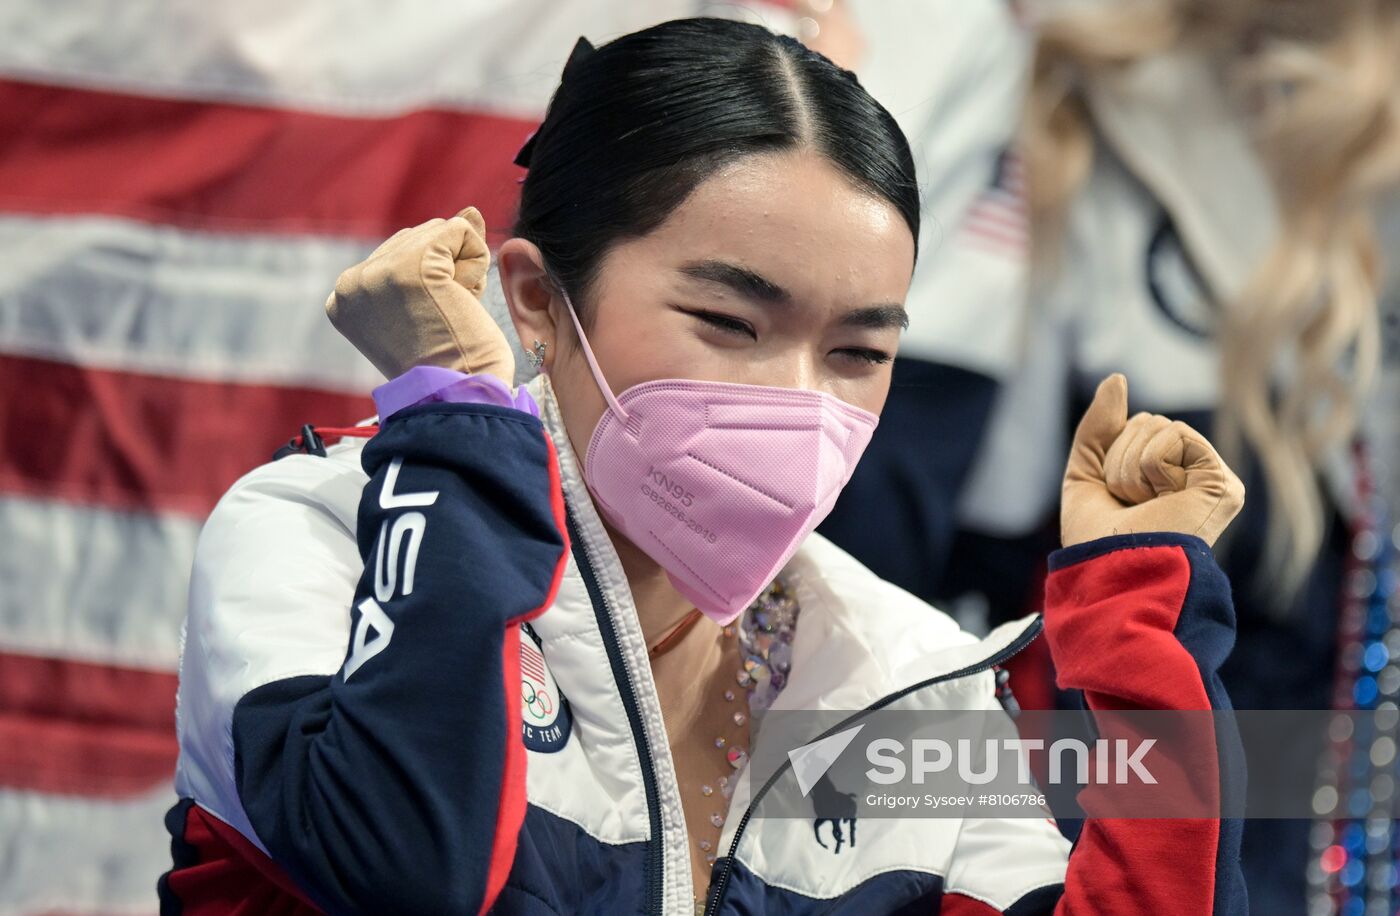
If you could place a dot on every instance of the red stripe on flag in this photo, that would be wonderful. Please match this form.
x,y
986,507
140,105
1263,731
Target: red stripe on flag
x,y
240,168
134,441
532,662
85,729
998,215
1001,199
995,236
998,221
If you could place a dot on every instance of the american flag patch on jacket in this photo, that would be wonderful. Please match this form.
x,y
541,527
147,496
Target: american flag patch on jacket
x,y
998,219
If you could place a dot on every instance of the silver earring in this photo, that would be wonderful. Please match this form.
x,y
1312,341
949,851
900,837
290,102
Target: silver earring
x,y
536,356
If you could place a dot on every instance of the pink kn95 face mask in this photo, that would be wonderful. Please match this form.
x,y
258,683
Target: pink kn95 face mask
x,y
718,482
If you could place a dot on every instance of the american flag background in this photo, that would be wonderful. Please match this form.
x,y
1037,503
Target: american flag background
x,y
180,185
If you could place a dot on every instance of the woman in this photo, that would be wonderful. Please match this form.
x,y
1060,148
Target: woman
x,y
1202,181
715,235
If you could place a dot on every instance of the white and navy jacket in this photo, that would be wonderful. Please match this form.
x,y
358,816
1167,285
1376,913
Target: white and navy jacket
x,y
351,728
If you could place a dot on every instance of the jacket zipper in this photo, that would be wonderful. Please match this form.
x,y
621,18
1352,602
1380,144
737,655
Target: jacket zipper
x,y
602,610
721,881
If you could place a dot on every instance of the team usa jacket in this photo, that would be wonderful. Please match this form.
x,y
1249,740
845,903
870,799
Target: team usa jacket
x,y
413,681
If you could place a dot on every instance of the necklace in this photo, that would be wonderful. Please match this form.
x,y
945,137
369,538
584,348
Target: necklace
x,y
667,642
763,634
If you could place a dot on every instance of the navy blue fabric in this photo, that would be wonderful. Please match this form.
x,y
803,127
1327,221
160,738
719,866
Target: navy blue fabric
x,y
1281,661
896,515
1039,902
380,793
182,855
1206,628
1068,556
561,869
892,893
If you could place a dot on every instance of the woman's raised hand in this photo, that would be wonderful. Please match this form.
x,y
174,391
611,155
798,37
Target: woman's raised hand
x,y
1145,474
416,301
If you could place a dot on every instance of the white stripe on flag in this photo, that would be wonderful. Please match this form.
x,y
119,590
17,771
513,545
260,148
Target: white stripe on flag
x,y
94,584
342,56
79,855
124,295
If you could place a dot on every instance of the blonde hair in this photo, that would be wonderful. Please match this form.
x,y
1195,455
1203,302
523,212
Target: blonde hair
x,y
1320,87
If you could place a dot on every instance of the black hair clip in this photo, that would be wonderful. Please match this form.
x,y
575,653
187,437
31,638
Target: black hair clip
x,y
522,158
583,50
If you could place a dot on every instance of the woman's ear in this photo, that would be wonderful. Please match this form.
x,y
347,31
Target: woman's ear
x,y
529,295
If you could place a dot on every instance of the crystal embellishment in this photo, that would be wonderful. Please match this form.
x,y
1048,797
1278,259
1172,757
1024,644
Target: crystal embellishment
x,y
765,633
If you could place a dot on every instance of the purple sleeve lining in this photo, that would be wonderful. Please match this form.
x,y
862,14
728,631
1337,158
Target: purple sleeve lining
x,y
428,384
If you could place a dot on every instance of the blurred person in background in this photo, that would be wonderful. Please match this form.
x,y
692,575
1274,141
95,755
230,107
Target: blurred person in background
x,y
1201,184
967,299
1203,181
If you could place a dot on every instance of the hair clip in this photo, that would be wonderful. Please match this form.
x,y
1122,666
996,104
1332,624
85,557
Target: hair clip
x,y
522,158
583,50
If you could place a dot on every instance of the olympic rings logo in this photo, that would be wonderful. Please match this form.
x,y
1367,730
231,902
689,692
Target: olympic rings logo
x,y
537,702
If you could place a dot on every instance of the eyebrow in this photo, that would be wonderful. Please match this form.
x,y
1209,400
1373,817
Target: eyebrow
x,y
739,279
759,288
878,317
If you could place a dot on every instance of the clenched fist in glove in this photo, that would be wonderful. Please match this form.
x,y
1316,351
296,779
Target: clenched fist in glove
x,y
1145,474
416,301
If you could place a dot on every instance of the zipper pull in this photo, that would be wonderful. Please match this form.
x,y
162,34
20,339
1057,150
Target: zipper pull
x,y
1003,691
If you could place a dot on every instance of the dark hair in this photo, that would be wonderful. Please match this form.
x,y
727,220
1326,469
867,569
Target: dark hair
x,y
637,124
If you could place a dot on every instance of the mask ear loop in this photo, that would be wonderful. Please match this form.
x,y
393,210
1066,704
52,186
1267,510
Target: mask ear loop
x,y
588,355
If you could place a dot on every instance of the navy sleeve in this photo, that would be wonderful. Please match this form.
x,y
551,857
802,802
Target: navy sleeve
x,y
397,783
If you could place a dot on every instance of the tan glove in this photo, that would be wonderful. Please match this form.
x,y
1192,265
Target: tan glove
x,y
1144,474
416,301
